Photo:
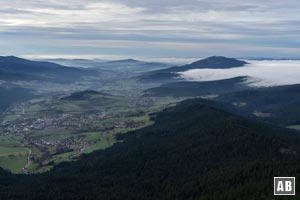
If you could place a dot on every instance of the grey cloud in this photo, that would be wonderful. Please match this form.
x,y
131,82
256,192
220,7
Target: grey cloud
x,y
256,24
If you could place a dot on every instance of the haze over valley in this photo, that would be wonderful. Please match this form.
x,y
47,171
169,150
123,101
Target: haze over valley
x,y
99,100
149,100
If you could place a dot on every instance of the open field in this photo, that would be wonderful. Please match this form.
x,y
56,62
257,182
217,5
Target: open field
x,y
11,141
100,141
13,159
61,128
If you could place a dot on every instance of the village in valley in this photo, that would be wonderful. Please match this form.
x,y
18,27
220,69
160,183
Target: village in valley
x,y
61,129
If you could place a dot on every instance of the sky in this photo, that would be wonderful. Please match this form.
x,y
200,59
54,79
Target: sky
x,y
144,29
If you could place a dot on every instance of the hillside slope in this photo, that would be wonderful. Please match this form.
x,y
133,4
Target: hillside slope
x,y
11,94
16,69
278,105
194,89
171,74
193,151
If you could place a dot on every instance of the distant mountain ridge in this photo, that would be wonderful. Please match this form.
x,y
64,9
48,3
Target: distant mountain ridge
x,y
13,69
131,67
170,74
194,89
129,61
214,62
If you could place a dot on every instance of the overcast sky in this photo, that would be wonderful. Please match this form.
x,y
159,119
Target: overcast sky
x,y
150,28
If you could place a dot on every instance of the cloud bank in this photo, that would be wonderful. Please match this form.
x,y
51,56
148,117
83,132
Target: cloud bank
x,y
261,73
157,28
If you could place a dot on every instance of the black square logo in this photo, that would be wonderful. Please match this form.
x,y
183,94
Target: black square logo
x,y
284,186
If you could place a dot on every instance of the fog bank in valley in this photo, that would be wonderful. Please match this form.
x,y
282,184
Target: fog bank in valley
x,y
260,73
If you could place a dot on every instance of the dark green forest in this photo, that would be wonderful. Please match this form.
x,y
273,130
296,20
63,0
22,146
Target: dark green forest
x,y
192,151
194,89
282,102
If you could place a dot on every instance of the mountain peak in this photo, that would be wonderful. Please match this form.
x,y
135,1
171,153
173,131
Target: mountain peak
x,y
10,58
130,60
15,68
216,62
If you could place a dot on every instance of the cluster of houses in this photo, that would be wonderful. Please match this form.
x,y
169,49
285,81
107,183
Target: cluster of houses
x,y
71,124
23,125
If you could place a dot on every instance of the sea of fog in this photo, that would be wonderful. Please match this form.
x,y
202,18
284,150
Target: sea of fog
x,y
260,73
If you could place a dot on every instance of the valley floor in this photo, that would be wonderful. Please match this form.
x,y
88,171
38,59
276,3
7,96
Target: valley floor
x,y
40,133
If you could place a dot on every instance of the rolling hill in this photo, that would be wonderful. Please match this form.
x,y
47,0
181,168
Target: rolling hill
x,y
193,151
16,69
194,89
83,63
127,65
89,101
279,105
85,95
171,74
131,65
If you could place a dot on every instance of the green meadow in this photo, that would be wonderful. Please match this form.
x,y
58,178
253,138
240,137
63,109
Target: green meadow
x,y
13,159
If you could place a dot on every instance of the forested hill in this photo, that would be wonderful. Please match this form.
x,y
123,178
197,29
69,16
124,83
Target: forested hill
x,y
171,74
193,151
194,89
18,69
281,104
